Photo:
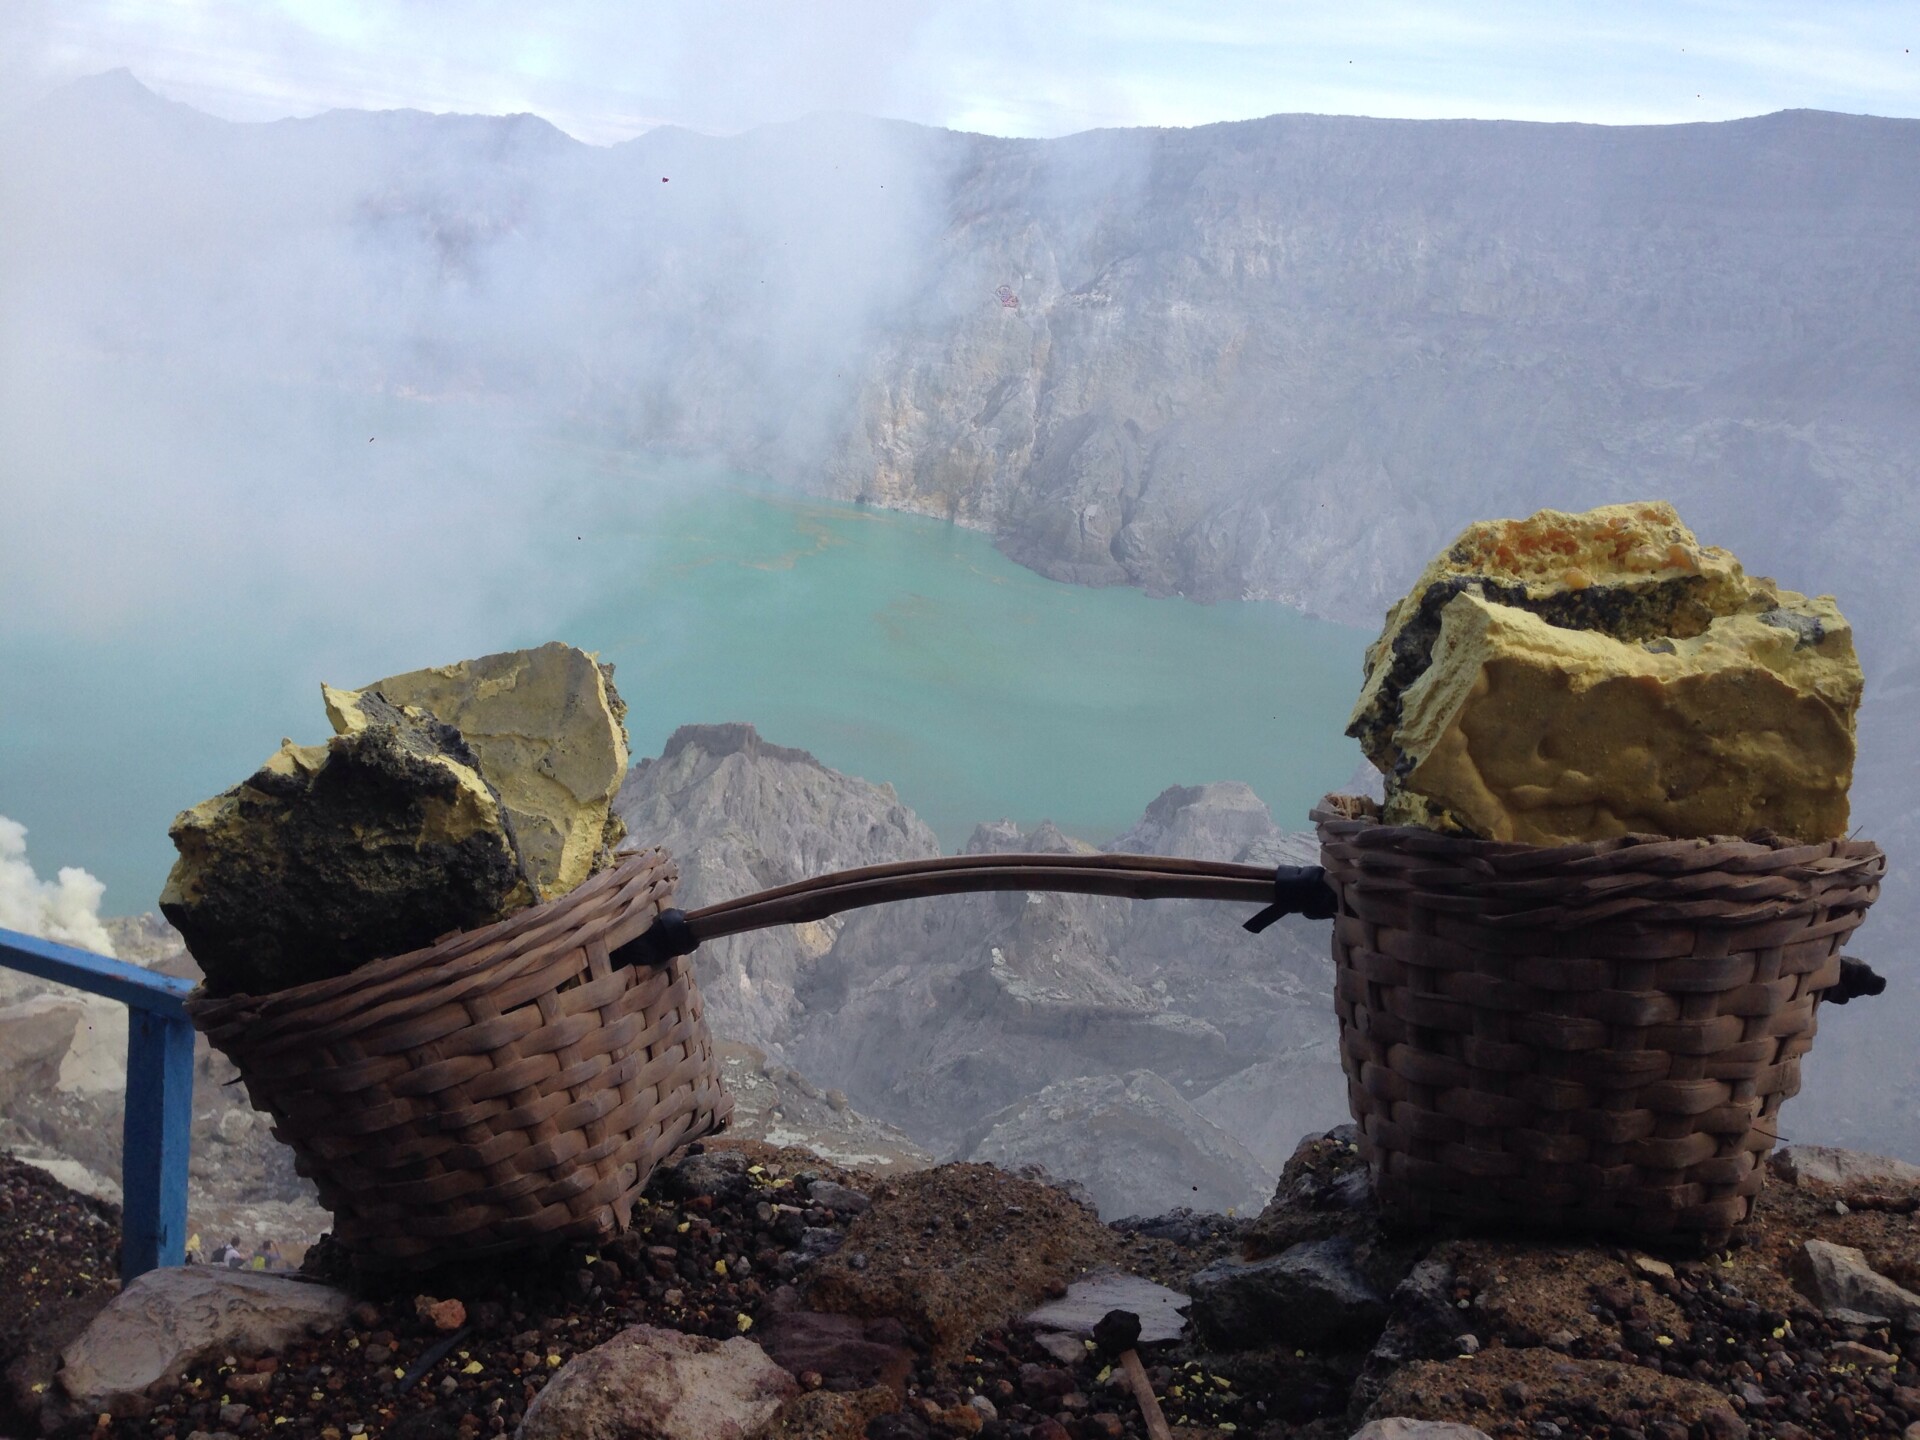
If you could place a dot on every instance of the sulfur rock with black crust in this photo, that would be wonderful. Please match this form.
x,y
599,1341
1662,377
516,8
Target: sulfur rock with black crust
x,y
1571,677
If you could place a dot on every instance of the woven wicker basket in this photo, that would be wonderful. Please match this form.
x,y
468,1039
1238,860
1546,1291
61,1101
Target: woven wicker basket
x,y
1584,1038
504,1088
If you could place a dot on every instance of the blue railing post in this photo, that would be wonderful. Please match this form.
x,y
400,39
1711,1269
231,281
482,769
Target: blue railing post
x,y
159,1120
154,1142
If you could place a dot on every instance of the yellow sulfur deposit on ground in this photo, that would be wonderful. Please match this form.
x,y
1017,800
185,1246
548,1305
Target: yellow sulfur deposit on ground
x,y
1572,677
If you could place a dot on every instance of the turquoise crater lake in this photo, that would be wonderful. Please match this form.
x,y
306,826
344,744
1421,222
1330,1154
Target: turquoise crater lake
x,y
893,647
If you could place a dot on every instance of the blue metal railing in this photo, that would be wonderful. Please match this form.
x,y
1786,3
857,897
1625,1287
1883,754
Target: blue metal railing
x,y
156,1135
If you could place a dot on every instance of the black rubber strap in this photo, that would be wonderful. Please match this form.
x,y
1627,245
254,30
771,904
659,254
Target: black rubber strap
x,y
1297,890
668,936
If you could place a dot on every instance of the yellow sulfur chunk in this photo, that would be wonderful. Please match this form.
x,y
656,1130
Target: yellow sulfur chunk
x,y
1573,677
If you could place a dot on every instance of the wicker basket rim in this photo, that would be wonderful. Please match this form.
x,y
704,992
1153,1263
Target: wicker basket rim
x,y
1355,818
493,943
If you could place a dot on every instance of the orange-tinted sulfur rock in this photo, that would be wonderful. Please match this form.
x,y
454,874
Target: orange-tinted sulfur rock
x,y
1571,677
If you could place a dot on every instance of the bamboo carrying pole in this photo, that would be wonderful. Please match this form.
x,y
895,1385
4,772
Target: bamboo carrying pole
x,y
1137,877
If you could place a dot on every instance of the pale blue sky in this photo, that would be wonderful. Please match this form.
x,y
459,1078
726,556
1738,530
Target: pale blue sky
x,y
606,71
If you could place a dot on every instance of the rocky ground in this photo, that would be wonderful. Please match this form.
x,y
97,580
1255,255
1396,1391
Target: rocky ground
x,y
893,1308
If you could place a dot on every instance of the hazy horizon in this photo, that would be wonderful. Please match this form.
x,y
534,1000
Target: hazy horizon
x,y
606,73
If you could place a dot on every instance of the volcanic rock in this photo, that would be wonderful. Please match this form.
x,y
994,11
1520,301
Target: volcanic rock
x,y
1311,1294
166,1319
843,1349
718,1174
652,1384
833,1414
1573,677
741,814
1838,1278
1842,1169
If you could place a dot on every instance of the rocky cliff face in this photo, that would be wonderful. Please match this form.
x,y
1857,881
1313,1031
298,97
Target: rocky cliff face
x,y
1284,358
740,815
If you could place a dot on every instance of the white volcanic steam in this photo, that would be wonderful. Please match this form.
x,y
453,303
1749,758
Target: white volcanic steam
x,y
66,909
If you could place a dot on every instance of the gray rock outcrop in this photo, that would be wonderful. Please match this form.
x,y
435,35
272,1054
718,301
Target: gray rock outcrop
x,y
1131,1140
1214,822
933,1015
35,1035
739,814
652,1384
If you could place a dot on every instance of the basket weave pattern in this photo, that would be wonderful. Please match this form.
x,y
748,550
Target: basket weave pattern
x,y
1590,1037
505,1087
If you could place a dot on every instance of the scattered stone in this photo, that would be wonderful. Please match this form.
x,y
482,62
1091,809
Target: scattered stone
x,y
1837,1278
652,1384
832,1414
1852,1352
1311,1294
1089,1299
717,1174
1067,1349
1424,1325
844,1350
1647,1265
841,1199
1398,1427
1194,1229
1842,1169
1570,677
446,1316
166,1319
816,1243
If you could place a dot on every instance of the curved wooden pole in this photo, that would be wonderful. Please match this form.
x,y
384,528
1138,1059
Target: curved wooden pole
x,y
1137,877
